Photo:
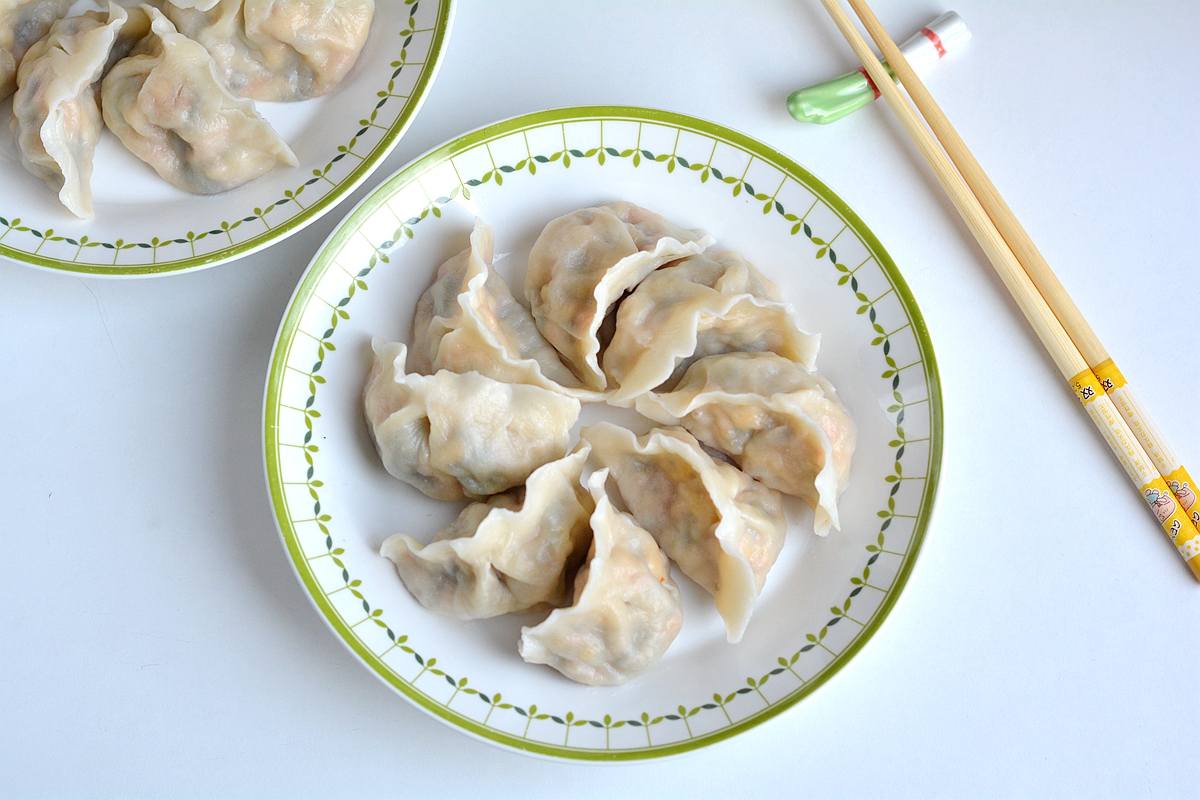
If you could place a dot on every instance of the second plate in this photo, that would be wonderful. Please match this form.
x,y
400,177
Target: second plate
x,y
145,226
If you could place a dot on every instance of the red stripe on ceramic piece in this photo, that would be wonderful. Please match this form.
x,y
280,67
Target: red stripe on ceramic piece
x,y
937,41
874,88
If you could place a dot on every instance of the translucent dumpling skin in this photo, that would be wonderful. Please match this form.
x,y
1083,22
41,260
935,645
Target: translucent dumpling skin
x,y
460,436
626,612
278,50
779,422
23,23
468,320
166,103
514,552
715,302
723,528
581,265
56,118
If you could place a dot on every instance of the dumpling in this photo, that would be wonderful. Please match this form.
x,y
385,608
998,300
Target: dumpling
x,y
56,119
457,436
581,265
135,28
23,23
775,419
278,50
723,528
626,612
469,321
511,553
703,305
167,105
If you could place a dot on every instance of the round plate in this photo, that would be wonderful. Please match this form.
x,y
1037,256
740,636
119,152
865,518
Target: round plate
x,y
335,504
145,226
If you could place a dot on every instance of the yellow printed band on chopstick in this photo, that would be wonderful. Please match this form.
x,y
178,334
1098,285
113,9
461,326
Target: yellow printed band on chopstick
x,y
1136,462
1179,481
1086,386
1110,377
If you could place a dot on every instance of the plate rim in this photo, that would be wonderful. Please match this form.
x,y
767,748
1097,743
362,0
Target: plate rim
x,y
444,21
366,207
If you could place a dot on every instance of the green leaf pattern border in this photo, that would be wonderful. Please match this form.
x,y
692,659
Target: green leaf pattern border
x,y
325,188
562,722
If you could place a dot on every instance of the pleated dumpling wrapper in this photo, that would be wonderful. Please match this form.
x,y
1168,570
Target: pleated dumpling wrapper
x,y
455,436
776,420
56,119
583,262
468,320
278,50
626,611
166,104
512,553
715,302
23,23
723,528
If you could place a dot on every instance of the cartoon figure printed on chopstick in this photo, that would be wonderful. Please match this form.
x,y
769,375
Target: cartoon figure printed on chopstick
x,y
1162,503
1187,498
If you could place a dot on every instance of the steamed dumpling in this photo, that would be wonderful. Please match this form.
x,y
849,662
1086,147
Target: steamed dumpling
x,y
167,105
702,305
278,50
135,28
469,321
723,528
509,554
583,262
457,436
56,119
626,611
23,23
775,419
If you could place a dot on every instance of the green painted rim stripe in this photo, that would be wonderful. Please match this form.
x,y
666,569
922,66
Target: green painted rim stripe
x,y
370,204
308,215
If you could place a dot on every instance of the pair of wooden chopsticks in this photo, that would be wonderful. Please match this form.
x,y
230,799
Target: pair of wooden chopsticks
x,y
1135,441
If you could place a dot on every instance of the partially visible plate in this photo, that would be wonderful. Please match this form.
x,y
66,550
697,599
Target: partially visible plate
x,y
145,226
335,505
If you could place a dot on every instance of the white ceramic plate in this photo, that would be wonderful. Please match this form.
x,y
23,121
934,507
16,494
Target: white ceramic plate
x,y
335,504
145,226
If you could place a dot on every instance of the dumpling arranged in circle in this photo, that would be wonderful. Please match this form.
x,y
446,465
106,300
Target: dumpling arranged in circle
x,y
456,436
626,610
715,302
723,528
469,321
776,420
512,553
583,262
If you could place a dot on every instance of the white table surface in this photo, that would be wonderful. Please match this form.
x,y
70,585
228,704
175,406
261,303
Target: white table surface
x,y
154,642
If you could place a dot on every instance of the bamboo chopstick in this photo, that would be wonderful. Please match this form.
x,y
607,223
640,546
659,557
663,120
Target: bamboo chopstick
x,y
1181,487
1054,337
